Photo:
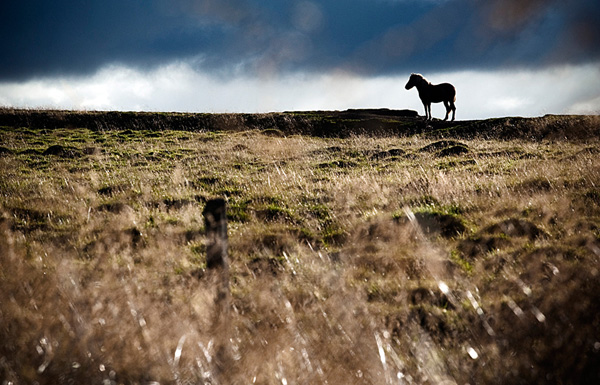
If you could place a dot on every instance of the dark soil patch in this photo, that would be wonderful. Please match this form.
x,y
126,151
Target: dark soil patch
x,y
333,149
205,182
327,151
172,203
176,204
467,162
112,190
446,225
240,147
442,144
592,196
116,239
423,295
394,152
454,150
516,228
92,151
263,265
338,164
274,243
31,151
274,132
191,235
274,213
63,151
478,246
114,207
558,254
29,219
135,234
434,322
534,185
5,151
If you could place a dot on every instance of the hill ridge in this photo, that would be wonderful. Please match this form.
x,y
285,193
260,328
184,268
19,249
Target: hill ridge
x,y
375,122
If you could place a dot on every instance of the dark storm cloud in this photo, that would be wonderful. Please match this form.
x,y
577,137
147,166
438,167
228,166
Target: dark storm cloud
x,y
494,34
66,36
373,37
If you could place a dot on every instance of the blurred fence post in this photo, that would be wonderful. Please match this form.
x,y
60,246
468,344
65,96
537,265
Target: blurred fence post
x,y
215,219
217,261
217,264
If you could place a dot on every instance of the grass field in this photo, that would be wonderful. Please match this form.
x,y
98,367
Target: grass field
x,y
438,256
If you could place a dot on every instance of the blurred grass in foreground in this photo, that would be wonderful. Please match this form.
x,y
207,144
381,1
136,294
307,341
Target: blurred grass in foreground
x,y
356,260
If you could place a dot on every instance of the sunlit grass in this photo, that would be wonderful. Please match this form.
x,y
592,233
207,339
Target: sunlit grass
x,y
357,260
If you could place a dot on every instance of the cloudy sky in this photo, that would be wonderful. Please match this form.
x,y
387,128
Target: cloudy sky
x,y
505,57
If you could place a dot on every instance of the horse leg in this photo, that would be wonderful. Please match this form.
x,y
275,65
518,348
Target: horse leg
x,y
453,108
447,110
427,110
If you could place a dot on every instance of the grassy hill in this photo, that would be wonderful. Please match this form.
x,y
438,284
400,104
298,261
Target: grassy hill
x,y
366,246
328,124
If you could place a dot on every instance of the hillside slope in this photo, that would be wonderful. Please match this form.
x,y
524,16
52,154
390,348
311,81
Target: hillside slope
x,y
375,249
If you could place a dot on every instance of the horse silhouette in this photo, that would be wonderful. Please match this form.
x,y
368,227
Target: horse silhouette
x,y
433,93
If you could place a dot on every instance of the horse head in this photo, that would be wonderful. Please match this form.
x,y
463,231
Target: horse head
x,y
415,79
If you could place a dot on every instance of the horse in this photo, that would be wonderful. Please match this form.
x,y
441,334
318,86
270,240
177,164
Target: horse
x,y
433,93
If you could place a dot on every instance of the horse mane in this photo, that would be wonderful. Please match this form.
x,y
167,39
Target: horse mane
x,y
423,78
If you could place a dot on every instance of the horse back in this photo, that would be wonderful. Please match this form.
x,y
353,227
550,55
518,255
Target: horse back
x,y
442,92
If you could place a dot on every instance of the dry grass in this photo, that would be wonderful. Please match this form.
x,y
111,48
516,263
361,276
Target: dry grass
x,y
360,260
